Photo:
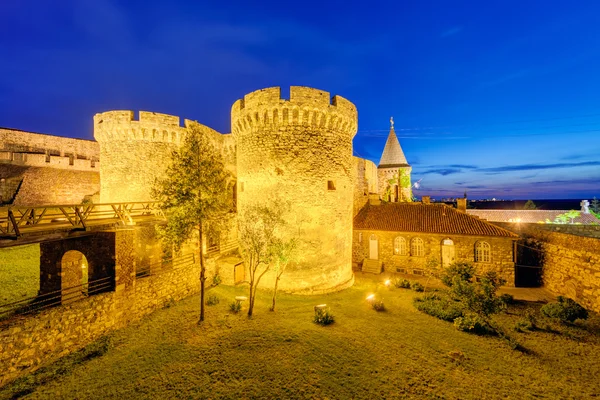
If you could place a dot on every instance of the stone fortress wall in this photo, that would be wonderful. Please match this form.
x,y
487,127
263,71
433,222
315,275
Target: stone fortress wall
x,y
300,151
136,152
46,169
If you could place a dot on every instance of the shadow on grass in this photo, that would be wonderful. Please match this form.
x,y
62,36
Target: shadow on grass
x,y
28,384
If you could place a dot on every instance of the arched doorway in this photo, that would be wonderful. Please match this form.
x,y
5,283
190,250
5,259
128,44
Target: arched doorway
x,y
75,276
373,248
448,252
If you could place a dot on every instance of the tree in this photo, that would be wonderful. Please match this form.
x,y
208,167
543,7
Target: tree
x,y
529,205
595,206
195,195
259,229
283,252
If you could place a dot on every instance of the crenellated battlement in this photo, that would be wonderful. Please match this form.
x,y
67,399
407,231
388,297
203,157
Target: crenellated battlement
x,y
150,126
306,107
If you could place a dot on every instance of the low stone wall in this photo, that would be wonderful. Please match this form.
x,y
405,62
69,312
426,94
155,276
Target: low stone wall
x,y
56,186
27,343
572,229
570,263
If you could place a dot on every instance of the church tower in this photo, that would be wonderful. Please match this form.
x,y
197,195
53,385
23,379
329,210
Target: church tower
x,y
393,171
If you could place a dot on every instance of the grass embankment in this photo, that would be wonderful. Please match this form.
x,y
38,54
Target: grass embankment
x,y
19,273
397,353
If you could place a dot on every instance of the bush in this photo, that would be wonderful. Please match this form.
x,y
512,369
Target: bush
x,y
235,307
523,325
323,317
461,270
471,323
566,310
402,284
378,305
216,280
212,300
417,287
438,306
507,299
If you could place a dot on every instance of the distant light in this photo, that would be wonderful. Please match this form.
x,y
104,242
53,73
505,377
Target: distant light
x,y
387,282
370,297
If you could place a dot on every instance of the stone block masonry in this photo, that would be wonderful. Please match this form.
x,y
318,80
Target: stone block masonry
x,y
27,343
300,151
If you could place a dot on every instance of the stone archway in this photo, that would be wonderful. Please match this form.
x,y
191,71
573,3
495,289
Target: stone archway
x,y
74,271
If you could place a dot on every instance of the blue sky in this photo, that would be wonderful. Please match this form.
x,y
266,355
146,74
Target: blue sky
x,y
498,98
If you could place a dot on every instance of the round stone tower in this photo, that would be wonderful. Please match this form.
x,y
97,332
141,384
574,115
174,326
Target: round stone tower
x,y
300,150
134,153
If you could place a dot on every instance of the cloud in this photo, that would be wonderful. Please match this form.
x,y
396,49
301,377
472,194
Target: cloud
x,y
452,31
443,171
533,167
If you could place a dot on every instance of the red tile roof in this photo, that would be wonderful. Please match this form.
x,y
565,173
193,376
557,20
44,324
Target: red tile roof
x,y
532,216
429,218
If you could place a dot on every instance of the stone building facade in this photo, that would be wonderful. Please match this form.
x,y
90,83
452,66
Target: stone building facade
x,y
416,238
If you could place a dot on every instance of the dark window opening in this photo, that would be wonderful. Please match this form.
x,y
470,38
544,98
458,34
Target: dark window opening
x,y
330,185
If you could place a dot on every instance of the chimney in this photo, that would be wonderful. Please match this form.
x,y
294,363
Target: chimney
x,y
426,199
461,205
374,199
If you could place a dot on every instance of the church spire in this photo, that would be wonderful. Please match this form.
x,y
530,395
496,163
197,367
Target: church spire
x,y
392,156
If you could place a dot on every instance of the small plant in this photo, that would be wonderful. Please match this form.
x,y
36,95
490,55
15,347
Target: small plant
x,y
565,309
212,300
235,307
438,306
323,317
216,280
402,284
417,287
462,271
523,325
378,305
471,323
507,299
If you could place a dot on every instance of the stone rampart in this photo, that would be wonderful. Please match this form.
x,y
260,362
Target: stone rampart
x,y
366,182
300,151
570,264
136,152
29,342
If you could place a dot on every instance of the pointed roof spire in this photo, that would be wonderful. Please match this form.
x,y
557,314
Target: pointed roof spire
x,y
392,156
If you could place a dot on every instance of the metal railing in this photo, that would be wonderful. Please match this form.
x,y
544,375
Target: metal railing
x,y
17,220
56,298
166,265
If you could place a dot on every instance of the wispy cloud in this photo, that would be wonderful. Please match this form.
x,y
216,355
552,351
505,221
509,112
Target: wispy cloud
x,y
443,171
452,31
533,167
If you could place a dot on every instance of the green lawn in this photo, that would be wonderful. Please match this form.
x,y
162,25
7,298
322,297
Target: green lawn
x,y
283,354
19,272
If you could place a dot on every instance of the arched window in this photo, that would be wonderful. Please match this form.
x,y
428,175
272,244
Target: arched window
x,y
416,247
399,246
483,252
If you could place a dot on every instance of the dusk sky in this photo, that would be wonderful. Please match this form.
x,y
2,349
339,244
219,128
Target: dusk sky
x,y
498,98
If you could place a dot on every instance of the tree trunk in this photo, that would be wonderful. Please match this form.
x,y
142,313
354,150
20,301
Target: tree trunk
x,y
251,299
202,274
275,293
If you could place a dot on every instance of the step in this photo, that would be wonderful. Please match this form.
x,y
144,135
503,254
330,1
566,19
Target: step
x,y
371,266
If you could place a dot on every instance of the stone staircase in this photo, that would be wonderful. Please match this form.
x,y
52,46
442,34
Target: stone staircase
x,y
371,266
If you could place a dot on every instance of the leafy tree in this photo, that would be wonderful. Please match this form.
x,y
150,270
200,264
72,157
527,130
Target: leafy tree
x,y
595,206
259,229
283,252
195,195
530,205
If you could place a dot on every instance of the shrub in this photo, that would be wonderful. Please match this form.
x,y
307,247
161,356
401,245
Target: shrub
x,y
323,317
460,270
402,284
565,309
471,323
216,280
378,305
235,307
507,299
438,306
523,325
417,287
212,300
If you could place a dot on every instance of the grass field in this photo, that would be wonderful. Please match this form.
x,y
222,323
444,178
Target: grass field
x,y
19,272
399,353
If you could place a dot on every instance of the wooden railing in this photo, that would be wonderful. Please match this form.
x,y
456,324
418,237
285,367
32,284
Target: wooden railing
x,y
17,220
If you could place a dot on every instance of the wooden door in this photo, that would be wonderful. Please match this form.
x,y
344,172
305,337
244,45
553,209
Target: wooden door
x,y
373,248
